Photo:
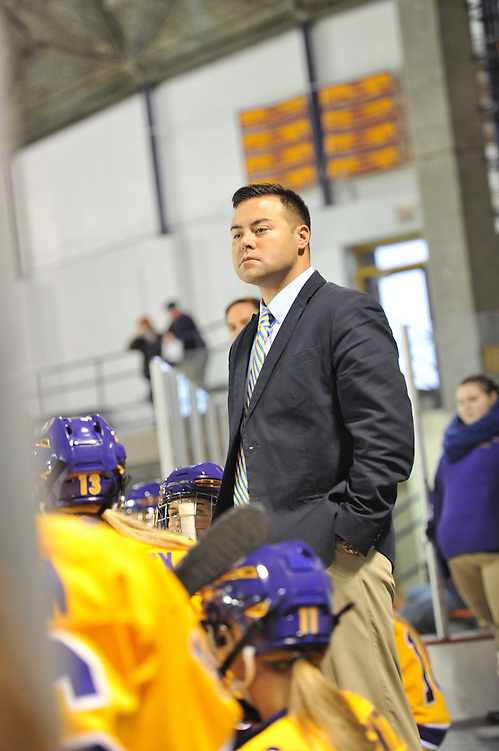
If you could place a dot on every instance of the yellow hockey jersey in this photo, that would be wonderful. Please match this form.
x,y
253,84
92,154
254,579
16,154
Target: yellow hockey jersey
x,y
423,692
134,671
282,733
170,558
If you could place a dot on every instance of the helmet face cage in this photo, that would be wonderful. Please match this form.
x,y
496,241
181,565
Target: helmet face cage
x,y
281,592
79,460
141,501
187,498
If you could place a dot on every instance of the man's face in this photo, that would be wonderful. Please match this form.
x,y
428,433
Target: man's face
x,y
267,249
238,316
174,313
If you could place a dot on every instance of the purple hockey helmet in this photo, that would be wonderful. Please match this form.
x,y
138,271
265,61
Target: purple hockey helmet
x,y
196,483
280,596
141,501
79,460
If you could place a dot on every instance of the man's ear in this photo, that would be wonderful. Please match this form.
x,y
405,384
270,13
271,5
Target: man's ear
x,y
303,237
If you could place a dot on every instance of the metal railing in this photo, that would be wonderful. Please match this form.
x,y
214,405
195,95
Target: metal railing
x,y
110,384
191,426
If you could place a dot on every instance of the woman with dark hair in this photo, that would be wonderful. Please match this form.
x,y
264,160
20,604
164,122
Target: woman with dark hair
x,y
465,500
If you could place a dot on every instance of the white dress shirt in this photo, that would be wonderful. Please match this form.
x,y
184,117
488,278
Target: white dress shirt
x,y
279,307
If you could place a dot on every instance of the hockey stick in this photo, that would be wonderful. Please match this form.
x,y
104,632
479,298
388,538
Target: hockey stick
x,y
233,535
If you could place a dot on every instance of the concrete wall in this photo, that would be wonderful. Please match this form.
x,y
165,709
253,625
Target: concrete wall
x,y
466,670
92,257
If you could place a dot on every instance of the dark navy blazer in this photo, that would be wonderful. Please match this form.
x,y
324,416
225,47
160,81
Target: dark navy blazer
x,y
329,431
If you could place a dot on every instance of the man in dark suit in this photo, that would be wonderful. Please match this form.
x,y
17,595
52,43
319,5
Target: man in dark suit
x,y
326,435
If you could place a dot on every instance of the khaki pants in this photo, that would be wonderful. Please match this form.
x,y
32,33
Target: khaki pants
x,y
476,575
363,657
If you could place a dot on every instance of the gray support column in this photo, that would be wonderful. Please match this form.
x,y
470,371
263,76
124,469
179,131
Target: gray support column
x,y
27,710
448,141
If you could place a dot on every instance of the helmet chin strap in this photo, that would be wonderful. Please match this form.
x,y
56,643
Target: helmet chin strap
x,y
240,687
49,483
248,655
250,633
253,630
187,514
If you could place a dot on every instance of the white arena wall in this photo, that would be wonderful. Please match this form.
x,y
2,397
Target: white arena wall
x,y
90,250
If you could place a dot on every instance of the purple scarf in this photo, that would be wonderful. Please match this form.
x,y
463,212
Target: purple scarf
x,y
459,438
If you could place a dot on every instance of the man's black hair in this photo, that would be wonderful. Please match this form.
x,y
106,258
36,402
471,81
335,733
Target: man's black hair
x,y
291,200
251,300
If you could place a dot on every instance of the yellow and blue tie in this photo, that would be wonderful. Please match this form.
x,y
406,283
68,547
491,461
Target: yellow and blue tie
x,y
241,495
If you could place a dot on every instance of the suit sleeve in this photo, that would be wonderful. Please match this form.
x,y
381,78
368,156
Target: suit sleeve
x,y
375,407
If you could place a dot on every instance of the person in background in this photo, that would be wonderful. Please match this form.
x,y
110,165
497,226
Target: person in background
x,y
81,466
185,507
425,696
187,498
269,620
323,434
417,606
141,501
240,312
117,609
147,341
183,346
464,526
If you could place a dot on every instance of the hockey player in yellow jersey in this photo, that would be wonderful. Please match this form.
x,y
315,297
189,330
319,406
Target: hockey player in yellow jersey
x,y
116,613
184,506
269,620
141,501
425,697
187,498
186,501
115,616
81,469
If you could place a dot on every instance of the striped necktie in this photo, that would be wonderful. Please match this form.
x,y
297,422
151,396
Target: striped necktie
x,y
241,494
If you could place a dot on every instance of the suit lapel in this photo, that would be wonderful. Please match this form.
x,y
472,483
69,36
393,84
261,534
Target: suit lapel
x,y
283,336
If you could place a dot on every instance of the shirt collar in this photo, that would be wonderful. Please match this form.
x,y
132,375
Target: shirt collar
x,y
280,304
